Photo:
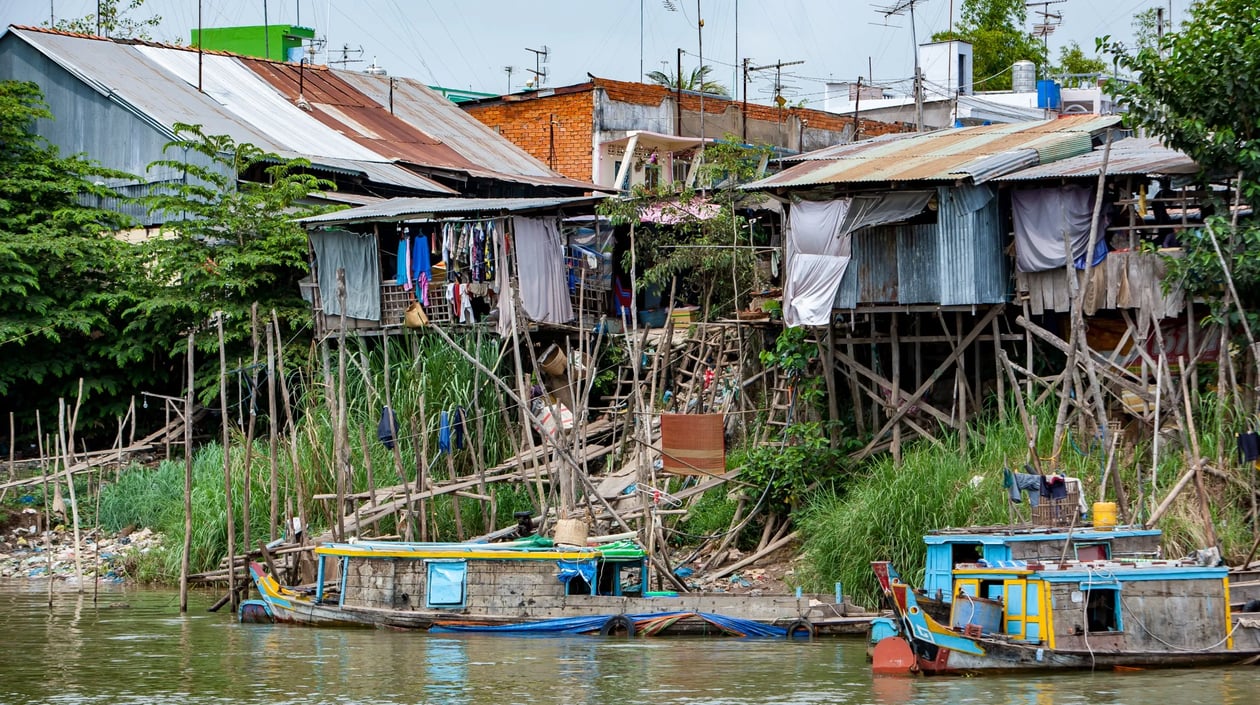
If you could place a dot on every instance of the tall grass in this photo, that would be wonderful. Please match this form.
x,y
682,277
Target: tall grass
x,y
421,366
885,510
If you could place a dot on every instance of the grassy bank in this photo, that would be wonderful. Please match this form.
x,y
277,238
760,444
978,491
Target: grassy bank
x,y
885,510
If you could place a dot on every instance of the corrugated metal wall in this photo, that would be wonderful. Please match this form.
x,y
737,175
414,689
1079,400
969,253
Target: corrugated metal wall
x,y
86,122
958,261
917,265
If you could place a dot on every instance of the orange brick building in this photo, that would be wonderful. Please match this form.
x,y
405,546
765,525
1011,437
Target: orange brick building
x,y
586,130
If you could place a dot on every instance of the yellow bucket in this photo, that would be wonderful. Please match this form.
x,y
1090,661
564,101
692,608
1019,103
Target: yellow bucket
x,y
1104,515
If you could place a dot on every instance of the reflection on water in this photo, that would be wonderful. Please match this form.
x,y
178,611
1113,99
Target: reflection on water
x,y
145,652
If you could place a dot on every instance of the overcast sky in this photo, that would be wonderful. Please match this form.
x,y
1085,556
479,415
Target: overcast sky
x,y
467,43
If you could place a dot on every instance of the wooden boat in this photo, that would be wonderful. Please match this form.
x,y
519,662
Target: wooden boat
x,y
1000,599
525,585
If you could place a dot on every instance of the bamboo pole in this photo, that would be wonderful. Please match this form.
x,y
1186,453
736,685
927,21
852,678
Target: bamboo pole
x,y
249,431
74,503
341,437
422,468
895,391
292,426
227,465
185,554
272,441
1204,508
408,523
371,478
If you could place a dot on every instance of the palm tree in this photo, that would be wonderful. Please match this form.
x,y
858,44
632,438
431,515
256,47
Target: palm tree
x,y
697,80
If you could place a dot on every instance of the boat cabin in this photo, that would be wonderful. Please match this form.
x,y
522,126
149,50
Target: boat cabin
x,y
948,549
474,578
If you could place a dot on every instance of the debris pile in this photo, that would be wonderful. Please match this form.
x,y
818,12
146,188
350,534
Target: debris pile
x,y
26,551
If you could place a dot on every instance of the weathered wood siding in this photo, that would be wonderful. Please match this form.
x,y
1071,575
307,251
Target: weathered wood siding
x,y
1188,614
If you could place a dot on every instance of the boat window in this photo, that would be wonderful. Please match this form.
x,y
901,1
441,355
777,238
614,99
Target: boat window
x,y
445,585
1102,610
966,553
630,579
1093,551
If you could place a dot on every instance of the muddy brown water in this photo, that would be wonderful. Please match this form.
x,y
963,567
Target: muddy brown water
x,y
146,652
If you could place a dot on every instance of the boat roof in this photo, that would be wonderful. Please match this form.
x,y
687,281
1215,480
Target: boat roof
x,y
532,548
1003,535
1096,573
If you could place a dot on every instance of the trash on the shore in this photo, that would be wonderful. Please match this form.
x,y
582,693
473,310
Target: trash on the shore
x,y
25,551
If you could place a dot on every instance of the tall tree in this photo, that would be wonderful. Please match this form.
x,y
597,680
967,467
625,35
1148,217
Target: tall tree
x,y
697,80
995,30
113,19
1199,90
230,241
60,264
1073,61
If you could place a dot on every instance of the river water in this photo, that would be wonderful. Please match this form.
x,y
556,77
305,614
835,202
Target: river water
x,y
133,647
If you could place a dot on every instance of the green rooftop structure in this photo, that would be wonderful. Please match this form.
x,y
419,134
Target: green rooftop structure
x,y
280,42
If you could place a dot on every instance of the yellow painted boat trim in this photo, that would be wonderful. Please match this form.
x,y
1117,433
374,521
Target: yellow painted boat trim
x,y
1229,628
457,554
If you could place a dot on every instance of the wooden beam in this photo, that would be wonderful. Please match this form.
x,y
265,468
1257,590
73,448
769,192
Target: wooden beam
x,y
915,398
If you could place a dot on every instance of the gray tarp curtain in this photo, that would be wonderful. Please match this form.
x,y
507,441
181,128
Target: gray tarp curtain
x,y
819,247
817,255
341,249
1042,217
541,271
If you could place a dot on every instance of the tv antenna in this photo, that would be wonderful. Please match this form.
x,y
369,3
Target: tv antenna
x,y
508,70
903,7
541,57
346,52
1049,20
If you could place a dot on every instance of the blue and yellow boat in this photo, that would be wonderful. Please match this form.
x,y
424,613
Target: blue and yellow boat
x,y
1004,599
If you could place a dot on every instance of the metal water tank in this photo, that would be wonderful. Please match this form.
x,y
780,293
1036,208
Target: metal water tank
x,y
1024,76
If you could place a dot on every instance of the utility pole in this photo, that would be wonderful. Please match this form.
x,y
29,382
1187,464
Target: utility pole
x,y
744,112
779,100
901,8
678,95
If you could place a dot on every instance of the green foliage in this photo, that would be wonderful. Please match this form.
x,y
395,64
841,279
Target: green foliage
x,y
1200,86
1199,91
697,80
697,250
709,516
115,21
60,265
228,244
1072,60
994,28
788,472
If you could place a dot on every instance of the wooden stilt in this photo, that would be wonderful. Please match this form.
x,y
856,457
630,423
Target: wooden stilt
x,y
250,426
273,519
895,390
227,466
185,555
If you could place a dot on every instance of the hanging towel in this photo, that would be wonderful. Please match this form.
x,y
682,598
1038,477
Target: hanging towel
x,y
444,433
402,278
385,429
459,427
420,257
422,289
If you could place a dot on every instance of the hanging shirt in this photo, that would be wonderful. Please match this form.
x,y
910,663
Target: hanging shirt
x,y
404,270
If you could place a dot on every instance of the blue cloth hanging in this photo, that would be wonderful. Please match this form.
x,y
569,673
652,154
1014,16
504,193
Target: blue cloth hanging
x,y
386,428
402,276
444,433
420,258
459,427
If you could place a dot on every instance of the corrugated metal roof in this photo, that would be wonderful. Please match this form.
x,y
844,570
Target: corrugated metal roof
x,y
253,100
419,106
1134,155
416,208
944,155
378,172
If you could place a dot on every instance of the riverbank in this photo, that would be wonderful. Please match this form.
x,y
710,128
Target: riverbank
x,y
29,551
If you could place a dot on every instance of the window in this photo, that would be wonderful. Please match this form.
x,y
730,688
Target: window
x,y
446,582
1093,551
1102,610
